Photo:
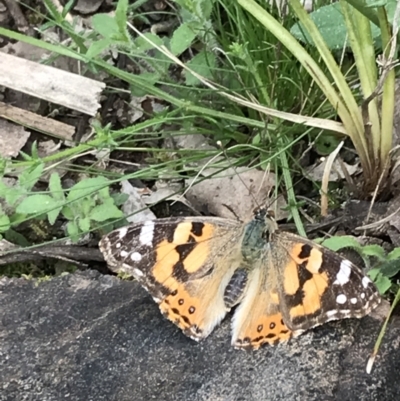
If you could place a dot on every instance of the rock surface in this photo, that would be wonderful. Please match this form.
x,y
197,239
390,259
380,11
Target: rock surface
x,y
92,337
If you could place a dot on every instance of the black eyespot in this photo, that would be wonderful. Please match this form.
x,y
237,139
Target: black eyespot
x,y
173,293
181,302
272,326
260,327
192,309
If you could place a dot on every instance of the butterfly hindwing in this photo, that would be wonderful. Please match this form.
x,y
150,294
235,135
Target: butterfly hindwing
x,y
258,319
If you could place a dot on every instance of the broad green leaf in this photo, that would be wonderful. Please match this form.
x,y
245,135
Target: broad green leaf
x,y
73,231
374,250
4,222
104,193
141,45
119,199
10,194
98,46
204,64
338,243
84,224
105,212
390,268
121,16
85,205
86,187
182,38
29,177
36,204
395,254
105,25
330,22
55,187
206,7
53,214
68,212
382,283
16,238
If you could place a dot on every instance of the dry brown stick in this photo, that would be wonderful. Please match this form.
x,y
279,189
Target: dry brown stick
x,y
70,253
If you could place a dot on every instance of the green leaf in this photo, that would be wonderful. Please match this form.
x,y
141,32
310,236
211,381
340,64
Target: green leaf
x,y
68,212
55,187
73,231
203,63
86,205
206,7
331,24
182,38
345,241
390,268
12,195
382,283
36,204
121,17
84,224
395,254
105,212
119,199
53,214
104,193
98,46
16,238
30,176
374,250
86,187
4,222
105,25
141,45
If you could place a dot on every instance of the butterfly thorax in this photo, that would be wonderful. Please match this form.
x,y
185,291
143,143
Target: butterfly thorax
x,y
256,236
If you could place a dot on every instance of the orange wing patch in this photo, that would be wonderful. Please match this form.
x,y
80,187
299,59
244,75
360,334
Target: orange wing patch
x,y
303,282
188,252
183,310
268,329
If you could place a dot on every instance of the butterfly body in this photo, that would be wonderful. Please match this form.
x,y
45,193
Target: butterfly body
x,y
198,268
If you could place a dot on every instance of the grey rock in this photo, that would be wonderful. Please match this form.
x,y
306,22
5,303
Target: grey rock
x,y
90,337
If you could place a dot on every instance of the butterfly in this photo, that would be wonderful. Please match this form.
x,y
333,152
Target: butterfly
x,y
198,268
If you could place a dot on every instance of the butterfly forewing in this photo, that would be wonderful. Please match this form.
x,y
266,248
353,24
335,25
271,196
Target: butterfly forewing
x,y
185,264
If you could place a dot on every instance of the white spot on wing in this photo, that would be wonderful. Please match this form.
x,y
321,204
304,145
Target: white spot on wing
x,y
362,295
331,313
147,233
343,274
123,254
118,245
341,299
366,282
353,301
138,273
122,232
136,256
